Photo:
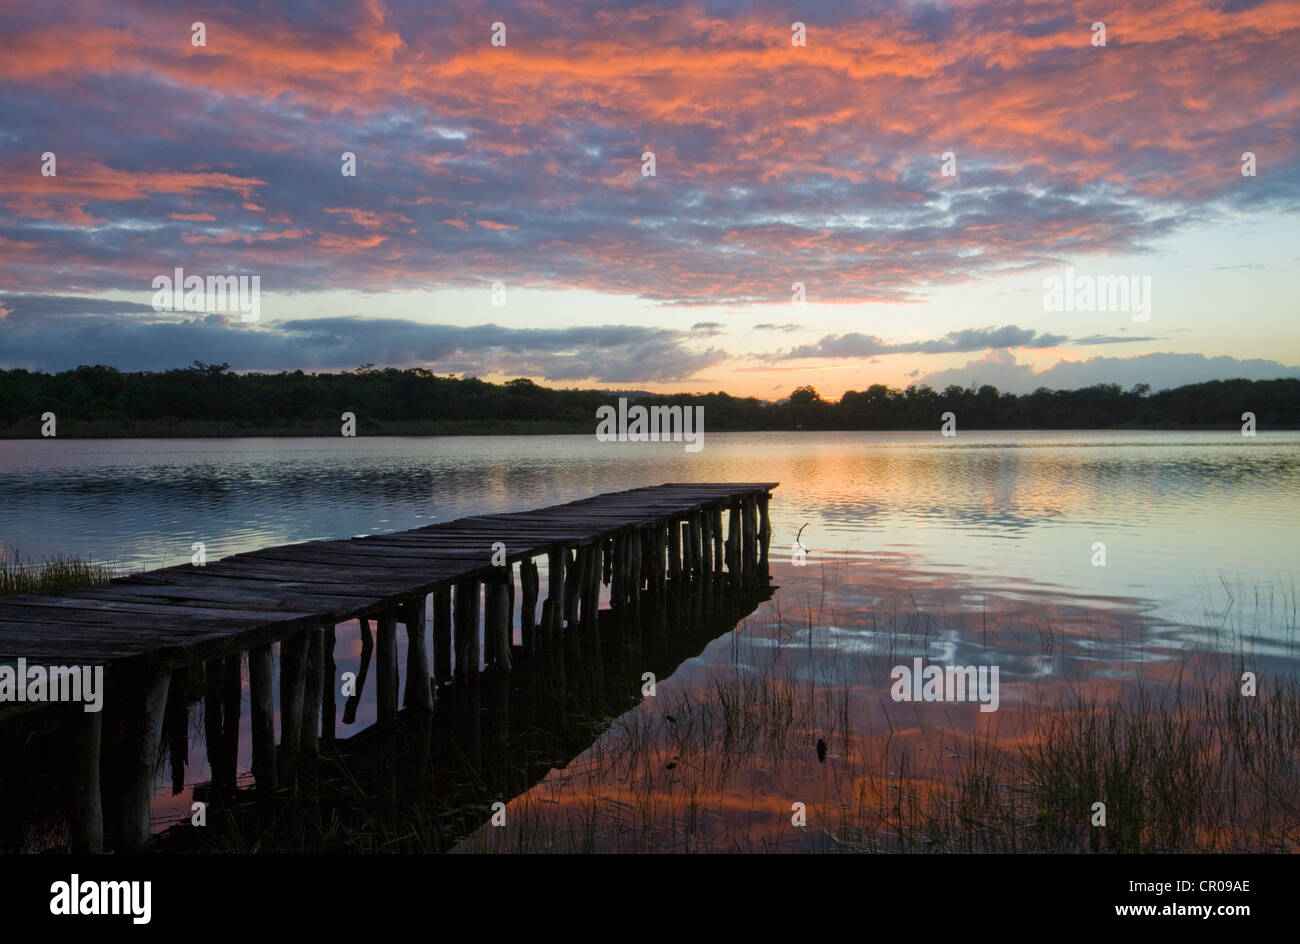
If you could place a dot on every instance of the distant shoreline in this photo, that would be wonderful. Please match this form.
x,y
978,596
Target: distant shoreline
x,y
206,400
436,429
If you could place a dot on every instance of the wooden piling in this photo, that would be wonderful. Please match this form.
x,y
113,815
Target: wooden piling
x,y
660,565
674,550
312,694
367,650
497,621
510,606
618,572
634,539
555,592
87,817
293,680
466,607
139,755
764,531
474,613
528,585
329,691
442,635
386,665
732,547
715,515
693,547
418,694
263,719
706,544
572,583
749,536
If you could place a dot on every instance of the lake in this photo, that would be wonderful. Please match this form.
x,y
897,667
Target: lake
x,y
1135,555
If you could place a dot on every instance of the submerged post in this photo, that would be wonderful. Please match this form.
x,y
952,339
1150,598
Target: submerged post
x,y
442,635
674,550
329,681
312,694
140,752
496,619
715,516
528,583
263,719
418,693
293,684
87,826
555,592
386,665
733,542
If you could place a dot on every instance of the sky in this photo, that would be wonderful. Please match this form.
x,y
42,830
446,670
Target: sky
x,y
923,171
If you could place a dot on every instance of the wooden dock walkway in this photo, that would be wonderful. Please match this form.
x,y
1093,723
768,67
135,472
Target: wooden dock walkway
x,y
145,627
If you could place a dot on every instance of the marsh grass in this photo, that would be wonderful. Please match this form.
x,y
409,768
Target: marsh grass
x,y
51,575
1181,758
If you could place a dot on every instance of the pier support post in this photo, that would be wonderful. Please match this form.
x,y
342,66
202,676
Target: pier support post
x,y
574,559
293,685
618,571
660,566
528,585
214,728
442,635
591,592
496,619
87,826
418,694
748,537
467,629
555,592
329,689
674,550
510,608
263,719
312,694
634,539
764,533
715,515
733,542
697,560
367,650
140,753
386,665
706,544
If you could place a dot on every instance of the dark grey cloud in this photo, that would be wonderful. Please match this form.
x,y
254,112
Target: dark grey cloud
x,y
1108,339
1162,371
971,339
601,353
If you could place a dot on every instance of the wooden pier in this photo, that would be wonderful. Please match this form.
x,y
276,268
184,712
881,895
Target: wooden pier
x,y
458,579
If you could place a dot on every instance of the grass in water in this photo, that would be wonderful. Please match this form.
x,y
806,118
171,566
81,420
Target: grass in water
x,y
52,575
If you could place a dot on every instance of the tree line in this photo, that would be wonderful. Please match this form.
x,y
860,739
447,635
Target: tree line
x,y
209,399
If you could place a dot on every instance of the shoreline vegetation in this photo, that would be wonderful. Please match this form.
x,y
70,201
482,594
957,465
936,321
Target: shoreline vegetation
x,y
56,574
208,400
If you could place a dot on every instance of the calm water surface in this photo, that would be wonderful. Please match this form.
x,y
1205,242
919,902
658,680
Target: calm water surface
x,y
1199,533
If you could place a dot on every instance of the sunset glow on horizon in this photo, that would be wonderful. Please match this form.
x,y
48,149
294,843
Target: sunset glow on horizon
x,y
915,170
